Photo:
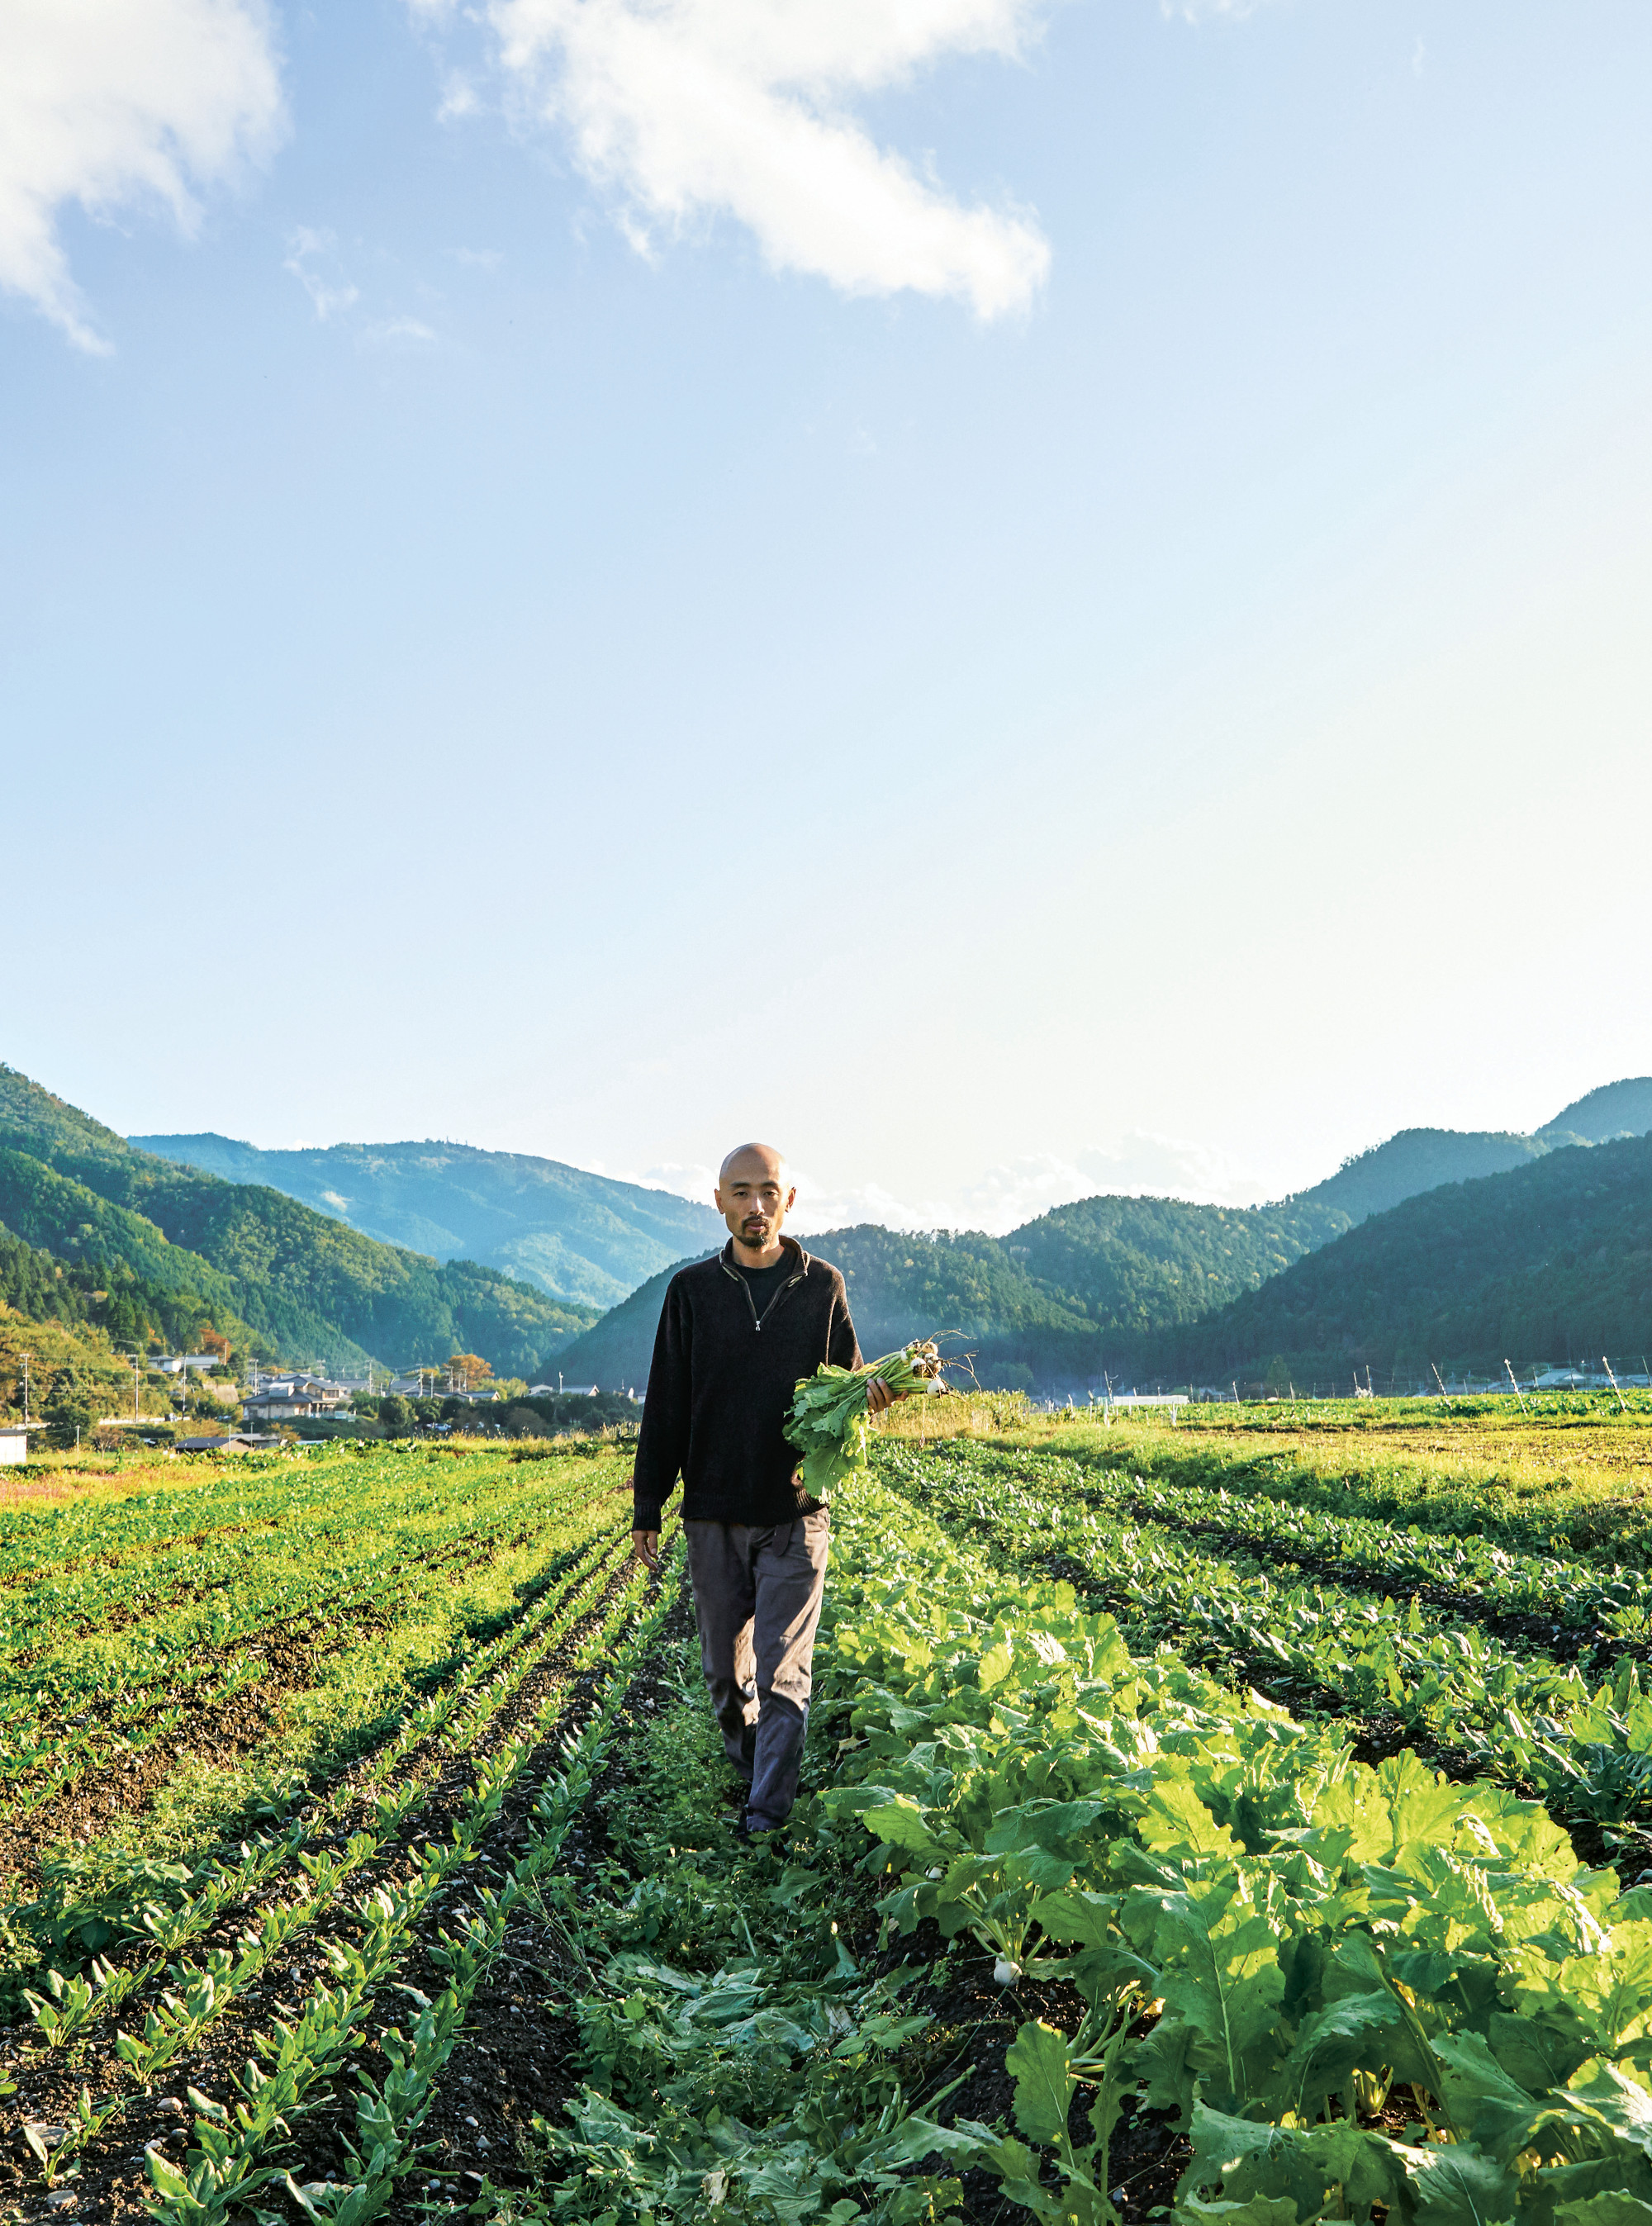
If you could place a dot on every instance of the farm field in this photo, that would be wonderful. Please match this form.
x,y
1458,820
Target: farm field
x,y
1239,1825
281,1740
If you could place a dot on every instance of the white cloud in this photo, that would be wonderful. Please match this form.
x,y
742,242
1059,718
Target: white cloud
x,y
1205,11
111,102
1139,1165
685,109
459,98
312,260
391,332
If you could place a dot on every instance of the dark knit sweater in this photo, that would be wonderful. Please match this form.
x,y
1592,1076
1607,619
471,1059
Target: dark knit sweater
x,y
720,1387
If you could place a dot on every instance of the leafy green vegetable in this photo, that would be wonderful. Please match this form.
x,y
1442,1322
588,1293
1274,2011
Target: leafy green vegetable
x,y
829,1416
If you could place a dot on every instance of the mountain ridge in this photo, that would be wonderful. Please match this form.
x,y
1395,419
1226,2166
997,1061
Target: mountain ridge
x,y
1137,1284
1548,1261
313,1286
583,1238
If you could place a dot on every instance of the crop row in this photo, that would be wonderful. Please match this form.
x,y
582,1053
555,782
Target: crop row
x,y
1525,1717
1353,1989
482,1685
1541,1493
241,1586
105,1541
235,2146
42,1759
1364,1550
200,1995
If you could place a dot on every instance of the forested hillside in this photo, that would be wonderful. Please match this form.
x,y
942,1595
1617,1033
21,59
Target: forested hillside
x,y
1599,1116
581,1237
1137,1263
70,1222
104,1296
1551,1261
317,1290
1415,1161
965,1289
1038,1306
1418,1160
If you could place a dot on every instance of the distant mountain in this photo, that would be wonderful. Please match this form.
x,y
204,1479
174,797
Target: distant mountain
x,y
1138,1263
1549,1260
1042,1300
305,1262
1418,1160
1158,1285
899,1286
581,1237
70,1222
312,1289
1616,1109
1421,1160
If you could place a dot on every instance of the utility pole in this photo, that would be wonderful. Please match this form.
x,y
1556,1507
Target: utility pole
x,y
1516,1388
25,1361
134,1387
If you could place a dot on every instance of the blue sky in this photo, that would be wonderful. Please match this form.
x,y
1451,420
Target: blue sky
x,y
1024,599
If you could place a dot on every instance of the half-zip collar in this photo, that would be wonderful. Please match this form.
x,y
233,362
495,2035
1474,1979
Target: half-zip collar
x,y
789,1244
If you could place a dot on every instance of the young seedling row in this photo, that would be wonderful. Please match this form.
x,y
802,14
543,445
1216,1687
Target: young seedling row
x,y
320,1909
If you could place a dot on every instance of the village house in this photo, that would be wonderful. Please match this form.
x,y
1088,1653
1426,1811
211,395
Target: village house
x,y
289,1399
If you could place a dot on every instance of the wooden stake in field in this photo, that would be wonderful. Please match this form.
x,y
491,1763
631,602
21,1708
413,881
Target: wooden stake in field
x,y
1443,1393
1518,1393
1623,1403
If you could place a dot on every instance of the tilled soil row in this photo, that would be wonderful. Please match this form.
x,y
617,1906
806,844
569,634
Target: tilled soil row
x,y
356,1787
112,2183
223,1731
518,2056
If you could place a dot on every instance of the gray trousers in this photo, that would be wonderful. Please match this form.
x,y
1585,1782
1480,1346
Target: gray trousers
x,y
757,1596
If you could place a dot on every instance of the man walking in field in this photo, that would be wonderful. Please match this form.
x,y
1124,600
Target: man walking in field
x,y
735,1333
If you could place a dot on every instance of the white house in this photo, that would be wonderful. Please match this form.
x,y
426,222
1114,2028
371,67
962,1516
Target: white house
x,y
14,1447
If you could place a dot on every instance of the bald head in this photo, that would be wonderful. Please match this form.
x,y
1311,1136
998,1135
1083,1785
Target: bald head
x,y
764,1155
754,1194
